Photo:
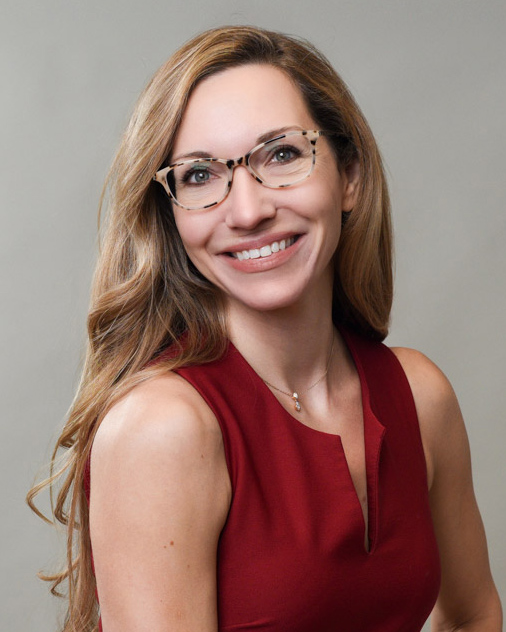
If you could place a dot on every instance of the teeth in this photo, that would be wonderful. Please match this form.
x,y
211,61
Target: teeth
x,y
264,251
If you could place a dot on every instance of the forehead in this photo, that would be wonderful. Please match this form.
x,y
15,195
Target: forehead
x,y
228,111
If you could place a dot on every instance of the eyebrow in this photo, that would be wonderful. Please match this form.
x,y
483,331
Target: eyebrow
x,y
269,135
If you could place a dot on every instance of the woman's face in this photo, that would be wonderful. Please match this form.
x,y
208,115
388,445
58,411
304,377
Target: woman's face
x,y
227,115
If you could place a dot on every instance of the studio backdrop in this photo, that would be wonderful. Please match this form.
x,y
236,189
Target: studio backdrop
x,y
429,75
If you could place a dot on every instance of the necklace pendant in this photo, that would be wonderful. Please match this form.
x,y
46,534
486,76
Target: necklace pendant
x,y
297,405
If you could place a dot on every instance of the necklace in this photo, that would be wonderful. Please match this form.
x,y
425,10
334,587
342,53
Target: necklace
x,y
294,395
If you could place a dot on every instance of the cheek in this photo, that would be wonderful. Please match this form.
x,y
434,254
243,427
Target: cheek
x,y
196,232
193,232
323,206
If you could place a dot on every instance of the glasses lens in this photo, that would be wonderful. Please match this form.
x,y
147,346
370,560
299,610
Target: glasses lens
x,y
283,161
196,184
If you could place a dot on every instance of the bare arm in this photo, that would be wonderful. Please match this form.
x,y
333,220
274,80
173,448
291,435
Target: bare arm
x,y
160,493
468,599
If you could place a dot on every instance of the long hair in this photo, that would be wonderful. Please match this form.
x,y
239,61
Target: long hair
x,y
147,294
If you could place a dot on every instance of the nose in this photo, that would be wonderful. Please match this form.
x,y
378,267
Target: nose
x,y
249,202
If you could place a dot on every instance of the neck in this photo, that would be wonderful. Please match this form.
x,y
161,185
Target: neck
x,y
289,348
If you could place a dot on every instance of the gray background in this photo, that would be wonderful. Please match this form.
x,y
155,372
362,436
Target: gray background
x,y
430,77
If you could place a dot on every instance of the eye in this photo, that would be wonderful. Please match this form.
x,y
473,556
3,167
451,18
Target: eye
x,y
286,153
196,174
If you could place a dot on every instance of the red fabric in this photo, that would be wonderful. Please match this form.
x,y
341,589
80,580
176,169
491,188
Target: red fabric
x,y
291,556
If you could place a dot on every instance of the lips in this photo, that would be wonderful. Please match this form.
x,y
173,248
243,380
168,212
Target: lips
x,y
264,251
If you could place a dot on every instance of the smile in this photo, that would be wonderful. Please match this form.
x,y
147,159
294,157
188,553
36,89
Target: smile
x,y
264,251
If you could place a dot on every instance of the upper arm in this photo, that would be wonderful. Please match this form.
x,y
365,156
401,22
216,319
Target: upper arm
x,y
160,493
467,589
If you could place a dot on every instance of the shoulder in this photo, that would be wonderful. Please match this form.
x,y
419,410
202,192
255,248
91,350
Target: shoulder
x,y
159,452
428,383
436,405
161,414
162,431
160,494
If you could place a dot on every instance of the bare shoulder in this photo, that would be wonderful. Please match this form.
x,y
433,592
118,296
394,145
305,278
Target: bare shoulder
x,y
155,414
162,430
159,405
438,410
160,494
431,389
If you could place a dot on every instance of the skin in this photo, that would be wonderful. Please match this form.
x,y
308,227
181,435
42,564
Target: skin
x,y
159,451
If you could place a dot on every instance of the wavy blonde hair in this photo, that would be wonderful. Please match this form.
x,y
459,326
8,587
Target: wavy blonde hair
x,y
146,293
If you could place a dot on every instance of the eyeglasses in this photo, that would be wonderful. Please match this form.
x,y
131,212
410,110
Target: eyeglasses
x,y
201,183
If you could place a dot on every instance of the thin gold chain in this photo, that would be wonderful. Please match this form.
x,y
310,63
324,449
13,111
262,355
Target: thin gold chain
x,y
294,394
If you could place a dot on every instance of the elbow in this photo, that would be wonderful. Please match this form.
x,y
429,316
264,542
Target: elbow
x,y
488,618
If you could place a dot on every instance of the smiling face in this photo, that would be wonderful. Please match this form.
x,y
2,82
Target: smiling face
x,y
264,248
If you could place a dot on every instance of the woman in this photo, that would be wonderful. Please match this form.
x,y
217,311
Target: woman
x,y
260,460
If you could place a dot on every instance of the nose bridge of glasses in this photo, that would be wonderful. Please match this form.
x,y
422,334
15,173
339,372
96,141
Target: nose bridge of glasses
x,y
250,204
243,161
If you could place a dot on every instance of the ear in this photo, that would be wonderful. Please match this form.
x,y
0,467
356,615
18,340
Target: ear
x,y
351,180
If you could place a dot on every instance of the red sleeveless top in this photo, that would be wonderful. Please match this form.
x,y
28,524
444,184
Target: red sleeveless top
x,y
291,556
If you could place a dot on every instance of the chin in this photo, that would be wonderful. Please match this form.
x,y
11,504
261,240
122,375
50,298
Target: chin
x,y
266,301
